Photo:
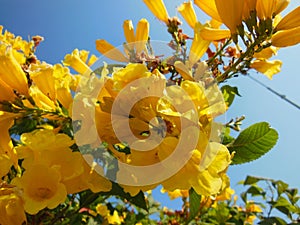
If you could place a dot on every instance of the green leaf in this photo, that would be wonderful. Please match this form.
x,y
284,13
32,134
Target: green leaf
x,y
253,142
229,93
251,180
227,138
138,200
272,221
195,201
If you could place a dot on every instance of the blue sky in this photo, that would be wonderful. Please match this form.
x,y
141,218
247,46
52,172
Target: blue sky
x,y
69,24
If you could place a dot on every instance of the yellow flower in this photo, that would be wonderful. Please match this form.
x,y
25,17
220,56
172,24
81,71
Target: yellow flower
x,y
213,34
73,60
6,146
5,164
7,93
268,68
115,218
231,13
11,206
137,41
102,210
209,7
92,178
157,7
188,13
265,9
141,36
286,38
42,76
290,21
280,6
41,187
199,46
249,6
110,51
128,31
11,71
176,193
266,53
41,100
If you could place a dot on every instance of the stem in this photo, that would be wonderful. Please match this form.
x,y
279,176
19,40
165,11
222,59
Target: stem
x,y
219,52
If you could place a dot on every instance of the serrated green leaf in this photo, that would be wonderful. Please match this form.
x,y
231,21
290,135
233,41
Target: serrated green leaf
x,y
229,94
253,142
195,201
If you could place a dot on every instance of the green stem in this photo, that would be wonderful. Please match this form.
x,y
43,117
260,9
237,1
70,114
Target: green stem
x,y
219,52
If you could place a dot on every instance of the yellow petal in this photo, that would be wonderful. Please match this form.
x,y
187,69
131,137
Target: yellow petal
x,y
142,35
6,91
187,11
199,45
280,6
209,7
43,77
110,51
73,60
291,20
231,13
265,9
286,38
183,70
6,146
158,8
128,31
11,72
212,34
266,53
268,68
249,5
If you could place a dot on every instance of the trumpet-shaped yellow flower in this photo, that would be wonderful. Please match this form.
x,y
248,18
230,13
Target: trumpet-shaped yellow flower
x,y
158,8
11,205
266,53
265,9
268,68
141,36
5,164
280,6
6,146
128,31
11,71
231,13
73,60
42,188
110,51
286,38
92,178
187,11
136,43
41,100
199,46
290,21
42,76
7,93
212,34
209,7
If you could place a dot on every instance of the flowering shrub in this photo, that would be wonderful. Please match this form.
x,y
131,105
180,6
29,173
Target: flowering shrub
x,y
87,140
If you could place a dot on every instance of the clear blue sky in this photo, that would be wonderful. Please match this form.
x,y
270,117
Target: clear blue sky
x,y
69,24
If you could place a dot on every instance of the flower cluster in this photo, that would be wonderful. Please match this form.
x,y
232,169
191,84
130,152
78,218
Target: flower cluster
x,y
74,129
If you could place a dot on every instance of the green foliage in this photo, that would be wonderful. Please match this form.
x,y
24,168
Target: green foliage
x,y
253,142
229,94
194,204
